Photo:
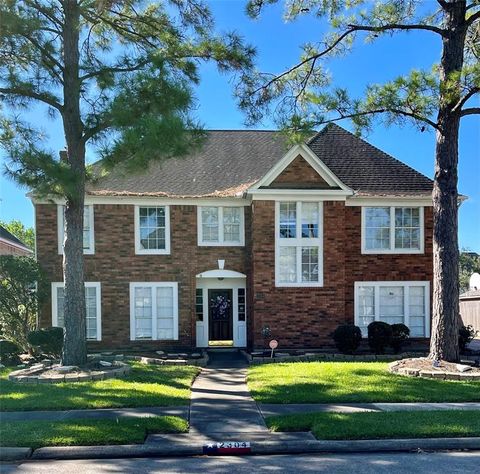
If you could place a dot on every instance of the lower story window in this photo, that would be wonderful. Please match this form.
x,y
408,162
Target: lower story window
x,y
394,302
154,311
92,304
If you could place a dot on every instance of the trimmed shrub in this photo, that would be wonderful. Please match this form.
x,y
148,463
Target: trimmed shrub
x,y
347,338
9,352
379,336
465,336
400,333
48,340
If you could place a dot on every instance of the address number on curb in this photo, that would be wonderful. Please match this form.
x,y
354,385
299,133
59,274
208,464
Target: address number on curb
x,y
227,447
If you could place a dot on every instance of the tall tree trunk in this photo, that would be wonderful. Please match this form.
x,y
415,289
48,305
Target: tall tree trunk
x,y
75,347
445,323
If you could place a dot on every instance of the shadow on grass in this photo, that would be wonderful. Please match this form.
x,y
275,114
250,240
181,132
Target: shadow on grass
x,y
144,386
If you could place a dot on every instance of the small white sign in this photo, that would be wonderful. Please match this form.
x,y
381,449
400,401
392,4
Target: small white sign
x,y
273,344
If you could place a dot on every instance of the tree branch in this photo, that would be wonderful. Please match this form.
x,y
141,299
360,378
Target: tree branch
x,y
470,111
135,67
351,29
473,18
464,99
386,110
32,95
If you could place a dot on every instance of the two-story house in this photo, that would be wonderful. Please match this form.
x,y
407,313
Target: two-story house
x,y
248,233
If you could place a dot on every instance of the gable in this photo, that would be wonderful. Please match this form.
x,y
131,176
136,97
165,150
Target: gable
x,y
299,174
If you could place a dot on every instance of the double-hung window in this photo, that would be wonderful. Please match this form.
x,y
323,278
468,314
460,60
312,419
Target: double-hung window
x,y
299,244
221,225
152,230
88,229
392,229
154,311
394,302
93,309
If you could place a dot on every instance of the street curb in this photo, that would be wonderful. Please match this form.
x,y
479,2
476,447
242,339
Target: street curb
x,y
14,454
262,447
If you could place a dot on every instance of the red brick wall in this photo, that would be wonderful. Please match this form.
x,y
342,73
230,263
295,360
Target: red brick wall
x,y
115,265
300,174
304,317
298,317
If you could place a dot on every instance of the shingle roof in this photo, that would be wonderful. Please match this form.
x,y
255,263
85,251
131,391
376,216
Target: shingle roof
x,y
230,161
365,168
5,234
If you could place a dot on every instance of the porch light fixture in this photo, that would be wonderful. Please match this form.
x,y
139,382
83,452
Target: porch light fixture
x,y
221,264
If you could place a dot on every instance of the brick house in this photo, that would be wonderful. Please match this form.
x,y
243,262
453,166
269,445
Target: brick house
x,y
246,233
11,245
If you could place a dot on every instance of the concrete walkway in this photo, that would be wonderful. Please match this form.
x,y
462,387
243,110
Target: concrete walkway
x,y
221,402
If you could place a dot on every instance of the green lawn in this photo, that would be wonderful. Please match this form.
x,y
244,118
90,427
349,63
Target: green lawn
x,y
36,434
329,382
376,425
145,385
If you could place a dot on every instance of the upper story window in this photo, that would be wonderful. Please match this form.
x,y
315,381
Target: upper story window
x,y
392,229
221,225
93,320
299,244
152,230
88,229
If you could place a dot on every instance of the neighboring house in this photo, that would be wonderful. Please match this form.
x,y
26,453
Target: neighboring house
x,y
11,245
247,233
470,304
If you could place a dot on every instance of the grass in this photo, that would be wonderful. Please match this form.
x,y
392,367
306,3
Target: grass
x,y
145,385
87,432
378,425
349,382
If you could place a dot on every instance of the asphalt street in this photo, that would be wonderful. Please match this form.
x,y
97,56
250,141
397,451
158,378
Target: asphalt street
x,y
395,463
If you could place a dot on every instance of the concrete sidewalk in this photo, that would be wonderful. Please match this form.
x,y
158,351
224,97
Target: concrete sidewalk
x,y
97,413
268,409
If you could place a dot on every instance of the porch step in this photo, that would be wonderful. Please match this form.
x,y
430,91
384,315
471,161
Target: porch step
x,y
222,349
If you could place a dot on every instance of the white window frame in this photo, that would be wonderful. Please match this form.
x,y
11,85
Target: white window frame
x,y
221,242
406,298
61,229
98,294
392,248
299,242
138,248
154,286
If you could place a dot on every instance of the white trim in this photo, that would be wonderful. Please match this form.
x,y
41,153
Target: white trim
x,y
221,274
387,201
240,200
392,249
141,251
299,194
311,158
61,229
154,286
98,296
406,285
221,242
298,243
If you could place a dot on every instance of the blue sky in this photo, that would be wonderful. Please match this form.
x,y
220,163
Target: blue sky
x,y
278,44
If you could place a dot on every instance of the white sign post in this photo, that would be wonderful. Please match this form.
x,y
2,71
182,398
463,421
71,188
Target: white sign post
x,y
273,345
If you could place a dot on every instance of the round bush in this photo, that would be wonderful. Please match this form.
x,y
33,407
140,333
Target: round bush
x,y
347,338
400,333
9,352
465,336
48,340
379,336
